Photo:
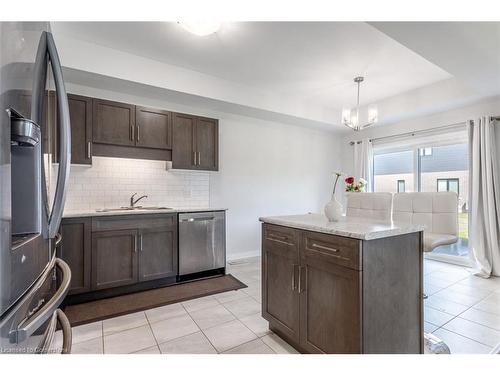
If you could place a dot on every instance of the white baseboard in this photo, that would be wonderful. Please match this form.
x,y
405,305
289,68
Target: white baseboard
x,y
242,256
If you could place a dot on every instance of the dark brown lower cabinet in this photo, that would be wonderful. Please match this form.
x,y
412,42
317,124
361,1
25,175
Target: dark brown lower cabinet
x,y
324,327
114,258
279,266
157,253
75,250
118,251
329,294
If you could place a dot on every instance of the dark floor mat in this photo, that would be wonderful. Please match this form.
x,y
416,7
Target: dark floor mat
x,y
110,307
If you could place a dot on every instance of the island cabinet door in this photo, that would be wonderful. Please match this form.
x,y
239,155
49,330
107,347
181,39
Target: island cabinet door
x,y
157,253
114,258
280,299
330,307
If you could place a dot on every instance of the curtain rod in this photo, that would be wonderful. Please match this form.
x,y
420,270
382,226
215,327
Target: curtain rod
x,y
497,118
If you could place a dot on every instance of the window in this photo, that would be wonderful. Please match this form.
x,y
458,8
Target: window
x,y
428,165
427,151
391,167
401,186
448,184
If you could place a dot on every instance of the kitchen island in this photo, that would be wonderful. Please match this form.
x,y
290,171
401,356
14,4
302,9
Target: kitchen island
x,y
354,286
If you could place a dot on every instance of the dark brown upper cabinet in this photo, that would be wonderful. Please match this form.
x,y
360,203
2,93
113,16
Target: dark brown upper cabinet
x,y
153,128
113,123
207,143
183,150
80,114
195,142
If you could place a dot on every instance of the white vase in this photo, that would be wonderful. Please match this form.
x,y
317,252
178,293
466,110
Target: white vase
x,y
333,210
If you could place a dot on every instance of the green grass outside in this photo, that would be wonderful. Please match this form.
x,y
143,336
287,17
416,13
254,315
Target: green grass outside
x,y
463,225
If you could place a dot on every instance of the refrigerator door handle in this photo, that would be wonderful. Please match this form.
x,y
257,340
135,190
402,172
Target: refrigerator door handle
x,y
64,136
39,80
45,346
47,51
26,329
66,331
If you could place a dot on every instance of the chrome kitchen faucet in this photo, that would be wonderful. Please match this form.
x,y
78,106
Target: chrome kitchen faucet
x,y
133,202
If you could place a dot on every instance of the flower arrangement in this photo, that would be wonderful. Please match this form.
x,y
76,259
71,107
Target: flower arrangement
x,y
352,186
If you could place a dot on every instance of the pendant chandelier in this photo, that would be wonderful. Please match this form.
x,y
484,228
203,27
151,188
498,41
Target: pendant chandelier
x,y
351,116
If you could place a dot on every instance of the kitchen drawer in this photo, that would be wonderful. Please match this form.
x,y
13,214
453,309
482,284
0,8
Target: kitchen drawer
x,y
333,249
280,235
137,221
281,239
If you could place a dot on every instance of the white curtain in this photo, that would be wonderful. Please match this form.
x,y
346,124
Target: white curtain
x,y
363,160
484,190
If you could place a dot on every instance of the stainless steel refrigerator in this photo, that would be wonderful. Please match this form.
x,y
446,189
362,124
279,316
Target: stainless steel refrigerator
x,y
34,124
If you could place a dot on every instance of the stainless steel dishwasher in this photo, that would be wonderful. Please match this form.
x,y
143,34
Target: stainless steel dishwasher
x,y
202,242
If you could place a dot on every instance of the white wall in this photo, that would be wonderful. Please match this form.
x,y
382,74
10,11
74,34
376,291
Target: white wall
x,y
490,107
270,169
265,168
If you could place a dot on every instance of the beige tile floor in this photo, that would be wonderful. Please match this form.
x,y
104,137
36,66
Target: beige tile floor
x,y
462,309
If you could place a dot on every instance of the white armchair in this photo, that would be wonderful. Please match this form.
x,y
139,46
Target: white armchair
x,y
377,206
437,211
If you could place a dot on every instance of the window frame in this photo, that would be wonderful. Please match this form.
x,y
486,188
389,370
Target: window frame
x,y
448,183
404,186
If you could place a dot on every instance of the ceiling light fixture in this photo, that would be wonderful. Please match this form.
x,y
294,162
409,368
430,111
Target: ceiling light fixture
x,y
350,117
201,28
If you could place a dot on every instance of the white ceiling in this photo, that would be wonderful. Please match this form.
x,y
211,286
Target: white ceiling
x,y
313,61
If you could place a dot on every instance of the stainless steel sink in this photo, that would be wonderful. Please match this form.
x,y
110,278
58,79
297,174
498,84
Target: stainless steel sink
x,y
135,208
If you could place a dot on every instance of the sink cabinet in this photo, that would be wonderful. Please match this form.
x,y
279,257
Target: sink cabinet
x,y
114,258
330,294
157,253
119,250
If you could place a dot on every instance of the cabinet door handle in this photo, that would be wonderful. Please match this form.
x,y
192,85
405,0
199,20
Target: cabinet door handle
x,y
140,239
294,286
135,243
199,158
325,248
300,279
194,158
89,155
277,237
132,132
138,133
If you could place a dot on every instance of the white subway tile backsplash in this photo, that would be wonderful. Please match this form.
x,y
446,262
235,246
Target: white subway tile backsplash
x,y
111,181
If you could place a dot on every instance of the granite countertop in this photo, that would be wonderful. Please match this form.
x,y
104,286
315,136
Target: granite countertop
x,y
97,213
353,227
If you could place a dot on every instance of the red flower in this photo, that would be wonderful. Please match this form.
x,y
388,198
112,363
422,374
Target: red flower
x,y
349,180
